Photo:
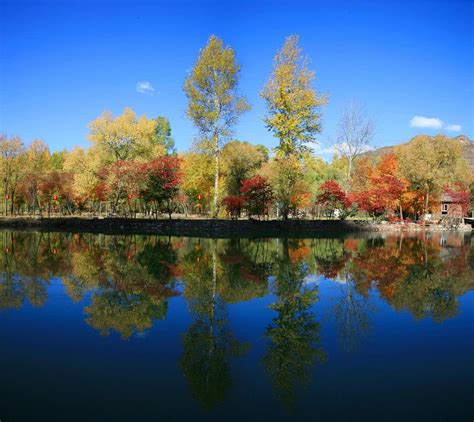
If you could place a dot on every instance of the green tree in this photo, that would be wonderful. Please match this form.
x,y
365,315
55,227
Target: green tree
x,y
57,160
163,134
214,105
286,176
240,161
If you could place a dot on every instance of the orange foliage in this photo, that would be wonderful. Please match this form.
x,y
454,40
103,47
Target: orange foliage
x,y
299,251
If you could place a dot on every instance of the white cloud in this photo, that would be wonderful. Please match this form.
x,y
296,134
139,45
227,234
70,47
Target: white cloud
x,y
433,123
426,122
453,128
145,87
329,150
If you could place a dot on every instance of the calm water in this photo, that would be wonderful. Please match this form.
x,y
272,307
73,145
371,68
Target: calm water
x,y
97,327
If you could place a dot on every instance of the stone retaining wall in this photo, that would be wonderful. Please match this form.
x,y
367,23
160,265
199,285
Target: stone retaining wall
x,y
187,227
212,228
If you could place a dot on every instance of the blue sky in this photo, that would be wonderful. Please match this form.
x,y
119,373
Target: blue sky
x,y
64,62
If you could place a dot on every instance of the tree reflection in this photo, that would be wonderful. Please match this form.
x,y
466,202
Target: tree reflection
x,y
423,274
245,267
209,343
135,288
330,256
123,312
415,274
126,282
293,335
352,315
26,269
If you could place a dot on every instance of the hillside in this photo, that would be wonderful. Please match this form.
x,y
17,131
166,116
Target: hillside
x,y
468,150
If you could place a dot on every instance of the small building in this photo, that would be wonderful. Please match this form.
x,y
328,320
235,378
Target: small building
x,y
450,208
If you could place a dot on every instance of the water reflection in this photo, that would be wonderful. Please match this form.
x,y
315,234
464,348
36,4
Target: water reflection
x,y
208,343
127,282
293,334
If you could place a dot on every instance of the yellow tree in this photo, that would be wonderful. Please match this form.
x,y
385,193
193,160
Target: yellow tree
x,y
293,115
430,163
127,136
84,165
214,105
292,102
11,155
37,163
198,177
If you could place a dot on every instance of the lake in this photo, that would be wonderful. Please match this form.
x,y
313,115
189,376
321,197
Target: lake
x,y
128,327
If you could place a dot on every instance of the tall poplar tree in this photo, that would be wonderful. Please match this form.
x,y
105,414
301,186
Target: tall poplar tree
x,y
292,102
214,105
293,116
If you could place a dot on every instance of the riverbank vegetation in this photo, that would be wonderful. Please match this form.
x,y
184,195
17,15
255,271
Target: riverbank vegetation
x,y
131,167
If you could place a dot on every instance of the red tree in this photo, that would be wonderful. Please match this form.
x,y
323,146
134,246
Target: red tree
x,y
56,188
121,182
459,197
258,196
163,176
383,189
233,205
332,198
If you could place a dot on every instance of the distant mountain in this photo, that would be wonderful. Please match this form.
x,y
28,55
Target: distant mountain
x,y
467,149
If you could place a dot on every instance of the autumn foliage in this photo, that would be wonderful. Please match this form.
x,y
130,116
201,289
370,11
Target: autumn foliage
x,y
460,197
132,170
332,198
258,196
162,177
233,205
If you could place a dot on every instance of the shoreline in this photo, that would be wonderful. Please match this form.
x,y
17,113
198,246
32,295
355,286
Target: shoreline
x,y
214,228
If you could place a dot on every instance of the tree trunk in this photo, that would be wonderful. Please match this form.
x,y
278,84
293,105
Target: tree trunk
x,y
349,174
427,200
216,186
285,211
